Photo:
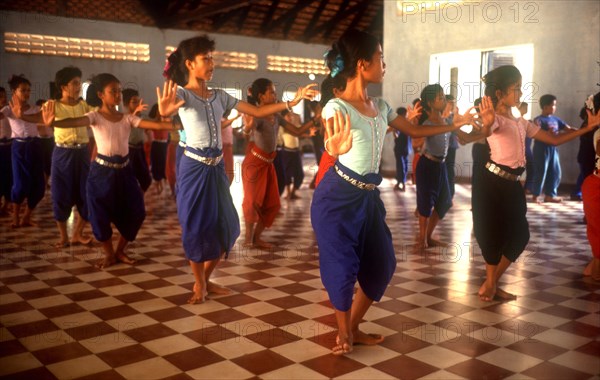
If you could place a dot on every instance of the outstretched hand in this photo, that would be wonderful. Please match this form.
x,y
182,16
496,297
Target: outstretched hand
x,y
413,114
339,136
16,107
48,112
464,119
308,92
140,108
592,120
487,114
167,101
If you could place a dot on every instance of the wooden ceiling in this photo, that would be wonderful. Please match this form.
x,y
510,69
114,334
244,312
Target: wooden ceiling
x,y
311,21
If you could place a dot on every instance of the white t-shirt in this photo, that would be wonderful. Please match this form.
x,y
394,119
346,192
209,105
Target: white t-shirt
x,y
21,129
112,138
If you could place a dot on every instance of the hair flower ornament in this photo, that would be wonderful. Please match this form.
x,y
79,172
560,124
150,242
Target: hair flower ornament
x,y
589,103
338,64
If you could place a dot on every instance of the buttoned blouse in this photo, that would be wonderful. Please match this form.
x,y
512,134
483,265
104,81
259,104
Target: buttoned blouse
x,y
507,142
368,134
201,118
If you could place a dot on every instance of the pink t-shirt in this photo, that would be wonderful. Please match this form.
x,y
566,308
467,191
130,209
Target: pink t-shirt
x,y
507,142
112,138
227,135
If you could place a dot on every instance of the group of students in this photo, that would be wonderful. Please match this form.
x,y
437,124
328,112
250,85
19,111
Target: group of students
x,y
347,213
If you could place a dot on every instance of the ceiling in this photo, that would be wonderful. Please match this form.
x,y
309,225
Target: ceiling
x,y
310,21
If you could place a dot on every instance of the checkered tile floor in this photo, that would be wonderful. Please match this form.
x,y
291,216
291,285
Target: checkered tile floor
x,y
60,317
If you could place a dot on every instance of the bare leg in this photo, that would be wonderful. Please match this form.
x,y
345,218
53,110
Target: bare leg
x,y
64,237
78,236
360,305
200,283
500,269
26,221
595,269
120,252
344,338
249,234
211,287
487,291
433,222
257,241
422,237
109,255
16,211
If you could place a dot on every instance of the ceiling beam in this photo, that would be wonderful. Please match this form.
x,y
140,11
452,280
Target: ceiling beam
x,y
208,10
269,16
314,19
330,25
221,19
377,21
242,19
337,18
289,15
359,15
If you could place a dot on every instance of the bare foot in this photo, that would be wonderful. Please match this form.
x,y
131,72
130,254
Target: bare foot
x,y
366,339
106,262
83,240
61,244
217,289
199,295
487,292
588,269
420,247
123,258
343,345
28,223
595,270
436,243
504,295
261,244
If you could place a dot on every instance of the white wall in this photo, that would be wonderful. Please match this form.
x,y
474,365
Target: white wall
x,y
565,40
144,76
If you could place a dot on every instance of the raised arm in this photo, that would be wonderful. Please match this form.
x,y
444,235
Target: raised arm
x,y
155,124
297,131
17,110
228,122
338,135
486,118
167,101
549,138
403,125
48,118
307,92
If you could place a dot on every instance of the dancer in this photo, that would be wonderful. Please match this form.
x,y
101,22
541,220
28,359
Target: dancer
x,y
113,194
261,195
26,152
347,213
499,205
6,178
209,221
137,157
591,199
